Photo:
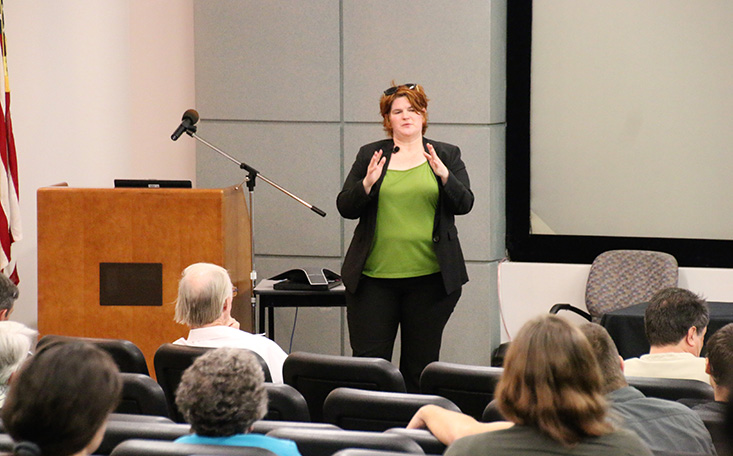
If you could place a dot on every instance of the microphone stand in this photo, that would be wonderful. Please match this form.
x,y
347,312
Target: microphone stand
x,y
251,180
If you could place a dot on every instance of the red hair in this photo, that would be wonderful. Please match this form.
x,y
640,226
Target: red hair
x,y
417,98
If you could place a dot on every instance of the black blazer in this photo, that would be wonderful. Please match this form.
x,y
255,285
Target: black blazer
x,y
454,198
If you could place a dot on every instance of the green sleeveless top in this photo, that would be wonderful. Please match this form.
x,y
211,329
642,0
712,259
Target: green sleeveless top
x,y
403,239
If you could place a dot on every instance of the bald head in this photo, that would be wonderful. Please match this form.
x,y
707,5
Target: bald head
x,y
202,292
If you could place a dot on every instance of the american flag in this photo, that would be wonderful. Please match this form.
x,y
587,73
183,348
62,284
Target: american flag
x,y
10,227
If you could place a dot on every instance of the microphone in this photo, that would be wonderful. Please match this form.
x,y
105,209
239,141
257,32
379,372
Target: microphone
x,y
190,117
395,149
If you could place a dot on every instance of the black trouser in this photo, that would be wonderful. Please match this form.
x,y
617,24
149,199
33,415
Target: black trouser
x,y
418,305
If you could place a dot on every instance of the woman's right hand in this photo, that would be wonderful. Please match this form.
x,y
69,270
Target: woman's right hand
x,y
374,171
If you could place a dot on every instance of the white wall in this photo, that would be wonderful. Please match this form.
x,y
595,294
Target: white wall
x,y
97,88
529,289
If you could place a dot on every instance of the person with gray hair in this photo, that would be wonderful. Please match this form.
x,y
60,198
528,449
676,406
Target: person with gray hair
x,y
204,303
664,426
16,342
8,295
221,395
675,322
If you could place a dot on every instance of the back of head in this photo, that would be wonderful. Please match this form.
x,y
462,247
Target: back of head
x,y
551,381
202,291
8,293
61,397
671,313
607,356
222,393
16,341
720,356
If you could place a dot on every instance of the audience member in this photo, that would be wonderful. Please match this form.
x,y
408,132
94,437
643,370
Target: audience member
x,y
8,295
663,425
59,401
719,365
204,303
221,395
551,392
675,322
16,342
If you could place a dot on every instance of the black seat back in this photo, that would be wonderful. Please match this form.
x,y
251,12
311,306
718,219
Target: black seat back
x,y
672,388
315,376
127,355
471,388
319,442
136,447
141,395
363,410
285,403
171,360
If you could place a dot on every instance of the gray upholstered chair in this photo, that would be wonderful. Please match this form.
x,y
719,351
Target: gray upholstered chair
x,y
622,278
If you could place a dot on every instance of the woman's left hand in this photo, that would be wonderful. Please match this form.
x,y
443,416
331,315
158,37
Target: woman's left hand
x,y
438,167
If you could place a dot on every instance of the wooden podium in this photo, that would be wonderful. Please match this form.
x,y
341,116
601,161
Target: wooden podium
x,y
157,232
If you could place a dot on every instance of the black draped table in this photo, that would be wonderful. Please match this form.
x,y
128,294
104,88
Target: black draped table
x,y
626,326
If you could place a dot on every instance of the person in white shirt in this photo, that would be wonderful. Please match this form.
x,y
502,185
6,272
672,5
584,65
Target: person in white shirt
x,y
675,323
204,303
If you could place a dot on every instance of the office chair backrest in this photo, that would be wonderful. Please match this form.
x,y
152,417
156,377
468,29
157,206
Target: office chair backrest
x,y
363,410
315,376
672,388
285,403
171,360
127,355
142,395
622,278
317,442
471,388
137,447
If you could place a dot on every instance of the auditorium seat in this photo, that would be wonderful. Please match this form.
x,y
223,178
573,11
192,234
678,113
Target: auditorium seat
x,y
363,452
672,388
316,375
285,403
427,441
141,395
171,360
127,355
137,447
471,388
265,426
119,431
319,442
363,410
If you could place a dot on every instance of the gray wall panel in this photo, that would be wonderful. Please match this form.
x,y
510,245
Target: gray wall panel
x,y
472,332
267,60
302,158
445,46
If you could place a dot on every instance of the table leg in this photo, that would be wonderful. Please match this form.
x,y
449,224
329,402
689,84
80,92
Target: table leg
x,y
271,323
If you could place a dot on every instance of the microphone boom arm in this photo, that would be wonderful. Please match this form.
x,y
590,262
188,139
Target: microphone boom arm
x,y
253,173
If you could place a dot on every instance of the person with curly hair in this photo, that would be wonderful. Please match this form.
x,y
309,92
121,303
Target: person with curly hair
x,y
221,395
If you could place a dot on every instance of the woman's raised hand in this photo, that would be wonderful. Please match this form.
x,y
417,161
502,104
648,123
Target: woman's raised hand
x,y
374,170
439,168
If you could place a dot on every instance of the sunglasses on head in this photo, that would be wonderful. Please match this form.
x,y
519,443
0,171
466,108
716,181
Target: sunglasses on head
x,y
393,90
